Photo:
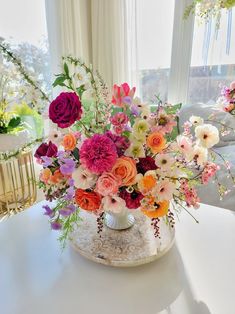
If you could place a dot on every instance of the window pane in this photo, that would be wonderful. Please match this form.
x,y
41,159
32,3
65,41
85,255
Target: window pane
x,y
154,41
23,25
211,64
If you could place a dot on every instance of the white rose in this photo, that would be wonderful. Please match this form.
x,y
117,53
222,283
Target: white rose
x,y
207,135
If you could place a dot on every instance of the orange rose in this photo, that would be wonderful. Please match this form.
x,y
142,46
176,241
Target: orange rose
x,y
156,142
125,169
45,175
69,141
56,177
160,211
87,200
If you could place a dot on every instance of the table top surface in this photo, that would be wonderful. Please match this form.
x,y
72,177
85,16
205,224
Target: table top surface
x,y
195,277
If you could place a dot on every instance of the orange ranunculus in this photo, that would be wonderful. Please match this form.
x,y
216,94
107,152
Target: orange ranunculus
x,y
156,142
45,175
160,211
56,177
88,200
125,169
147,183
69,141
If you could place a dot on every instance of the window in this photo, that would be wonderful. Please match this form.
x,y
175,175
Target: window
x,y
212,64
23,25
154,46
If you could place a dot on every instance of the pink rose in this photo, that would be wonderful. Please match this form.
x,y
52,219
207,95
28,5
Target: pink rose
x,y
65,110
107,184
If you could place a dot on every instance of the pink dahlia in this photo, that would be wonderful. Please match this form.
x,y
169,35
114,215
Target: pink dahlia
x,y
98,154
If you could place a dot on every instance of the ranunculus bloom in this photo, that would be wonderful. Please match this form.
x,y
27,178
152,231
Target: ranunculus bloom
x,y
132,199
98,154
83,178
160,210
125,169
65,109
156,142
146,164
49,150
69,141
88,200
122,95
108,184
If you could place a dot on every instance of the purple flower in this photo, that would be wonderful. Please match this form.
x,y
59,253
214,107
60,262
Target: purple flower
x,y
47,161
69,194
68,210
121,142
48,211
135,110
67,167
61,154
56,225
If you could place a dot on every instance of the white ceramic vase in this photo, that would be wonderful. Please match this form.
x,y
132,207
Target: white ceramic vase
x,y
119,221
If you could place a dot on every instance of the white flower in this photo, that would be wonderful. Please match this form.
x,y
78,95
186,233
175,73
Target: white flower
x,y
207,135
114,204
140,128
55,137
199,154
164,162
165,190
135,150
184,144
83,179
196,120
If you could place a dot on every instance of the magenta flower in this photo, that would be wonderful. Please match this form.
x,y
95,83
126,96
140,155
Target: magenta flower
x,y
48,211
121,142
98,154
65,109
132,199
56,225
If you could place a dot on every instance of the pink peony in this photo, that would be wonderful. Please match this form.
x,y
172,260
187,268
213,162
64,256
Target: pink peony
x,y
122,95
98,154
107,184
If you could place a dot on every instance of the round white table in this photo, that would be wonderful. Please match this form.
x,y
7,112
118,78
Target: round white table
x,y
196,276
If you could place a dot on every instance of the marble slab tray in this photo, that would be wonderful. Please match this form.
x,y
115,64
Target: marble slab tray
x,y
125,248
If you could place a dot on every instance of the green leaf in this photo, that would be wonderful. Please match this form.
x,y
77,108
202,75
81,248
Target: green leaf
x,y
59,81
76,153
14,122
66,69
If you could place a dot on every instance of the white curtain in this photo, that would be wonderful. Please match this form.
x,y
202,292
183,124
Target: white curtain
x,y
98,31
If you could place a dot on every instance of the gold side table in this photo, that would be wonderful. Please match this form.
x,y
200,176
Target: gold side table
x,y
17,183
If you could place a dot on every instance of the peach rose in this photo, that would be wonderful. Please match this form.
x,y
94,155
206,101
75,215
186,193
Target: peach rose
x,y
88,200
69,141
45,175
156,142
108,184
125,169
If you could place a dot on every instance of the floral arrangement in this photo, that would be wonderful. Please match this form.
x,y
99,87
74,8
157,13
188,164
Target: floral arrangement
x,y
226,101
112,152
207,9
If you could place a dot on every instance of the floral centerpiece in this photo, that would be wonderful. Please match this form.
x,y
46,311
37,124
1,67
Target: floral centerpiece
x,y
111,154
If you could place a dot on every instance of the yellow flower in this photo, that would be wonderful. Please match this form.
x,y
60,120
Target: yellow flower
x,y
140,129
136,150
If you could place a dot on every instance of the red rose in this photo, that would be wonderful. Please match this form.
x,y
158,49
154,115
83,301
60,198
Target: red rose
x,y
65,110
145,164
49,150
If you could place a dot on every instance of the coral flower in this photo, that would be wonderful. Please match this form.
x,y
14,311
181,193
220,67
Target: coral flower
x,y
88,200
108,184
161,209
156,142
69,141
56,177
122,95
125,169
